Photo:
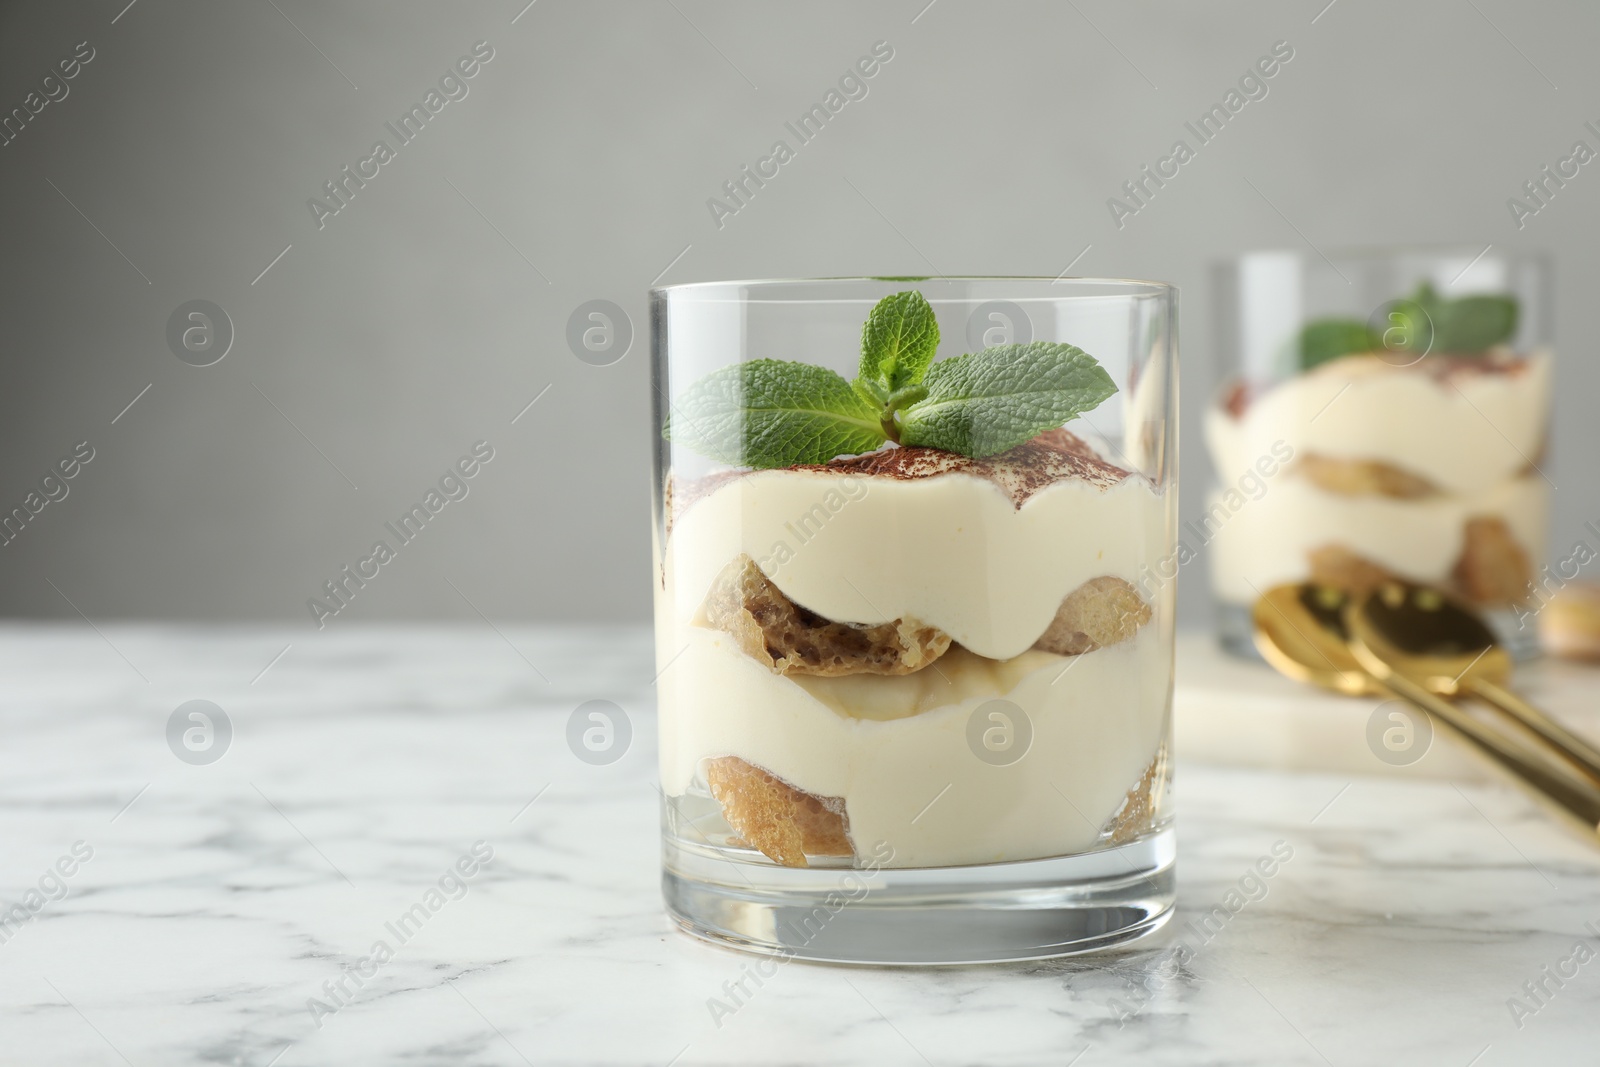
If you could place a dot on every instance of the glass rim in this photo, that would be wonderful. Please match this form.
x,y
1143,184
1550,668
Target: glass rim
x,y
1370,252
1142,286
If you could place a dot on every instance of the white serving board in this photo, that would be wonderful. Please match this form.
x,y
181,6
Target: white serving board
x,y
1230,712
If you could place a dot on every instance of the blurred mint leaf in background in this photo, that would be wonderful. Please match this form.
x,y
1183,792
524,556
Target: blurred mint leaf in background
x,y
1327,339
1475,323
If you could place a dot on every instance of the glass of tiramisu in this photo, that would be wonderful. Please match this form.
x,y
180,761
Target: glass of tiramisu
x,y
914,548
1388,416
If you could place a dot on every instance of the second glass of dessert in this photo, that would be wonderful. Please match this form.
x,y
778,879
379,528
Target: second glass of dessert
x,y
1388,417
913,560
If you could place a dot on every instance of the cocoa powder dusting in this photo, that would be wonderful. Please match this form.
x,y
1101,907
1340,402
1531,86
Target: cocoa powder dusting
x,y
1053,456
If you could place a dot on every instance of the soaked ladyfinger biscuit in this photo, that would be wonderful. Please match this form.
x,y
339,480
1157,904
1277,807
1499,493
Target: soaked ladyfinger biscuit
x,y
1493,568
788,639
1364,477
1142,806
782,822
1100,612
1569,622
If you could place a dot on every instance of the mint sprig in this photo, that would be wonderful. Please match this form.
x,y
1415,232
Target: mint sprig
x,y
1423,322
768,413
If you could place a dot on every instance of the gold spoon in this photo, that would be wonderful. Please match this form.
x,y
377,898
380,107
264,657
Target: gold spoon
x,y
1300,630
1439,643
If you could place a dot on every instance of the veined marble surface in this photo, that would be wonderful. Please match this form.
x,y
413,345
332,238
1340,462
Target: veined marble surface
x,y
221,899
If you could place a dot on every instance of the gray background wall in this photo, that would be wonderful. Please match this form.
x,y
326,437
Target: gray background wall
x,y
429,311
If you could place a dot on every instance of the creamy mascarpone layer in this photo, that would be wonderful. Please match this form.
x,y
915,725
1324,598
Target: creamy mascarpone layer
x,y
952,551
1464,433
891,746
1267,541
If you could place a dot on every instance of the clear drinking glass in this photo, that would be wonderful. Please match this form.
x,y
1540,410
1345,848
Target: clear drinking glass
x,y
915,704
1388,414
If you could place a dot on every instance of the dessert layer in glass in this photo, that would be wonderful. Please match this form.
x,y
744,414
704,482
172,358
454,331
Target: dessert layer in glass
x,y
832,630
1425,471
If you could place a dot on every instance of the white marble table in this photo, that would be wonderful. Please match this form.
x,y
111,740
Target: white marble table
x,y
220,898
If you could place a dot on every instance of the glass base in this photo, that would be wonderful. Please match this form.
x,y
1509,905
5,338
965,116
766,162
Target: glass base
x,y
1235,633
1034,909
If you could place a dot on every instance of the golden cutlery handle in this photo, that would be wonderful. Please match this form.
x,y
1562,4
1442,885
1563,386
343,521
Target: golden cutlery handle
x,y
1579,798
1573,749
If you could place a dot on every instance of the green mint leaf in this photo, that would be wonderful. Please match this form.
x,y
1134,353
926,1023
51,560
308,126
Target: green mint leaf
x,y
1326,339
899,340
872,392
1427,296
905,397
1474,324
1416,321
1409,324
1468,326
767,413
999,398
